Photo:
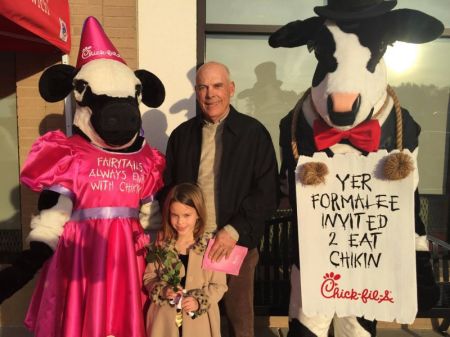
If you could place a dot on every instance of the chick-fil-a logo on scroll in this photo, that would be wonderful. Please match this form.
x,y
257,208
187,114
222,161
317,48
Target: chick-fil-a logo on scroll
x,y
330,289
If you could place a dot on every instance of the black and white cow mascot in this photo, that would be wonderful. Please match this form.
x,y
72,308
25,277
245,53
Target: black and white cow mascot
x,y
96,198
350,92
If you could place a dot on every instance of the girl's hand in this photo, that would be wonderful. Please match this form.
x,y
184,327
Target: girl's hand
x,y
170,294
189,304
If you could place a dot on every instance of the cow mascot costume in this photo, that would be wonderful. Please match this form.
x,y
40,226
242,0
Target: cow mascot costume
x,y
350,108
96,196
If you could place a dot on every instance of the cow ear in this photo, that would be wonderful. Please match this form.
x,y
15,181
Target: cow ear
x,y
56,82
153,92
296,33
411,26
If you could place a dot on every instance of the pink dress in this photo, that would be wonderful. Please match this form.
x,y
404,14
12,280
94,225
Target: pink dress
x,y
92,285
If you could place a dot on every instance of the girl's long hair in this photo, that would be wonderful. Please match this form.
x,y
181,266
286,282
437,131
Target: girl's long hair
x,y
187,194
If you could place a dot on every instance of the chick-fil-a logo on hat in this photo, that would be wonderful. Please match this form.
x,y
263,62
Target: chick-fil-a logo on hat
x,y
330,290
87,52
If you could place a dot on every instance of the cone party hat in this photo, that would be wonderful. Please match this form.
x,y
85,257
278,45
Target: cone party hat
x,y
95,44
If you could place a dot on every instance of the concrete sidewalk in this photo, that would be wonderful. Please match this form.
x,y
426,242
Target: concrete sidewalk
x,y
276,326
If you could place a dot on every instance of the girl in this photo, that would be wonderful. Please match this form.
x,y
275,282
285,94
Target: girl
x,y
175,271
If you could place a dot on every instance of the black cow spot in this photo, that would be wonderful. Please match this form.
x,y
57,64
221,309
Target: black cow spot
x,y
324,49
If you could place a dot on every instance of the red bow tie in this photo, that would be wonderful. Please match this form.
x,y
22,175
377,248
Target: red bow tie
x,y
365,136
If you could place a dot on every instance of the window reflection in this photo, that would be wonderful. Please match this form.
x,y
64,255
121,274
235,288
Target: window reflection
x,y
437,8
259,12
423,89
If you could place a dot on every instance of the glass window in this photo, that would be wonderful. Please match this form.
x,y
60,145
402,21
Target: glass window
x,y
271,12
422,82
440,9
259,12
10,225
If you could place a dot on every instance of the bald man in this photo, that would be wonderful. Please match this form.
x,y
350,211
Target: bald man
x,y
231,157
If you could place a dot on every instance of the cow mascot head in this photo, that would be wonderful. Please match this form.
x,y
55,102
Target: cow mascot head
x,y
96,197
351,108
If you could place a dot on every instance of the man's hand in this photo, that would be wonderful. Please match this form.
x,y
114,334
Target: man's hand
x,y
222,247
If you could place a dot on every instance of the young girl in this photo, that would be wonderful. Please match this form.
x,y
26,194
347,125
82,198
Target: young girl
x,y
177,272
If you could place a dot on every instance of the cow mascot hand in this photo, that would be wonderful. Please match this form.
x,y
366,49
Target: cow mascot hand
x,y
96,198
350,93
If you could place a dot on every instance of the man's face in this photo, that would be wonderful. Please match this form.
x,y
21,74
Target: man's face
x,y
214,90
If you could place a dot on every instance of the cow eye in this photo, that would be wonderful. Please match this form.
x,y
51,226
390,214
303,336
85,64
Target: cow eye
x,y
138,90
311,45
80,85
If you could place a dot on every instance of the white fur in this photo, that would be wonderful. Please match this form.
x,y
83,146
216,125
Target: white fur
x,y
150,216
422,243
108,77
49,224
351,76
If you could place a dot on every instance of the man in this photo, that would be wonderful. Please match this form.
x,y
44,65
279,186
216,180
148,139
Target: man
x,y
231,157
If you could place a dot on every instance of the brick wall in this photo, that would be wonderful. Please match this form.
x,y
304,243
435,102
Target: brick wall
x,y
118,18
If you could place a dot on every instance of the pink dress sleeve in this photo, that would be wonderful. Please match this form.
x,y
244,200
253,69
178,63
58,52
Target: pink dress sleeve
x,y
157,163
49,163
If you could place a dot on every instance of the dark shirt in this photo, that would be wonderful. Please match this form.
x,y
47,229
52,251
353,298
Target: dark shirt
x,y
184,258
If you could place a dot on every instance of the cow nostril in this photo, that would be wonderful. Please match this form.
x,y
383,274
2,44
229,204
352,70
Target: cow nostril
x,y
329,104
356,104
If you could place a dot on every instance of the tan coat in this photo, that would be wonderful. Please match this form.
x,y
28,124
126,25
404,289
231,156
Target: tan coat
x,y
206,286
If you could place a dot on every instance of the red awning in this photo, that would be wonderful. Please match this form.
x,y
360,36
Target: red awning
x,y
35,25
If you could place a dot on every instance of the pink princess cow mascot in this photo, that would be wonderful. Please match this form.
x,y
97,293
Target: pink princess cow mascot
x,y
351,108
96,197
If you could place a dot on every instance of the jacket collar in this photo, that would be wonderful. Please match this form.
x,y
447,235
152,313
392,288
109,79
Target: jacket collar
x,y
199,246
231,122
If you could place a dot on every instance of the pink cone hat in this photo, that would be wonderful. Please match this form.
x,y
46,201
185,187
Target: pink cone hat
x,y
95,44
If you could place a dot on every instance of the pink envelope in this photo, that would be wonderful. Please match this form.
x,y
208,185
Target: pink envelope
x,y
230,265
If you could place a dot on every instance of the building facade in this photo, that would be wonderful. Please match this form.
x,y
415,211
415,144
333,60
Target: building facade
x,y
170,38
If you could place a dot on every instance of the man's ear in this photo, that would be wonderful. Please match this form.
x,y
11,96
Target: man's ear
x,y
232,88
153,92
56,82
